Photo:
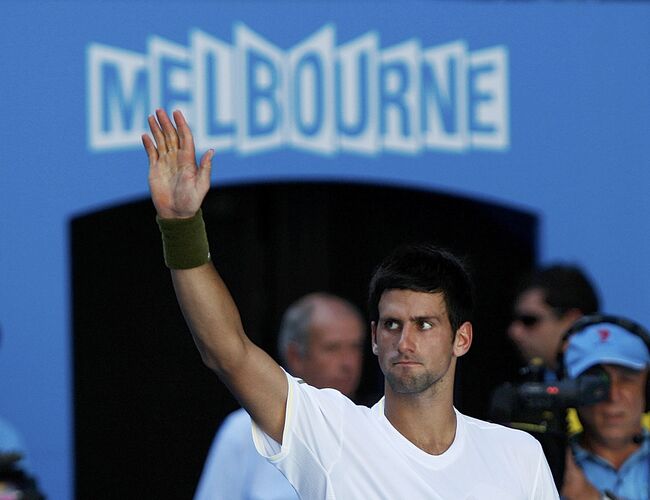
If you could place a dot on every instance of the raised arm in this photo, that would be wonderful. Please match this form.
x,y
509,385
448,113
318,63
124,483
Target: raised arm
x,y
178,187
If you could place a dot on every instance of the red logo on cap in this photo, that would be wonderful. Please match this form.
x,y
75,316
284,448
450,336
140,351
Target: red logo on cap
x,y
604,334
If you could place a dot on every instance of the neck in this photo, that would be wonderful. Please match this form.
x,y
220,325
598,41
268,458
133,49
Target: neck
x,y
427,420
616,452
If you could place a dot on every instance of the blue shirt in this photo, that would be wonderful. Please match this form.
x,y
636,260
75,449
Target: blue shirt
x,y
234,470
629,482
11,442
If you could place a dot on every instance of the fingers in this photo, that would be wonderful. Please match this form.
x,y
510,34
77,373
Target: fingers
x,y
157,134
169,138
168,131
206,165
186,141
569,462
150,148
163,131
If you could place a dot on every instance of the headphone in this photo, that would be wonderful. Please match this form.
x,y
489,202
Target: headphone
x,y
596,319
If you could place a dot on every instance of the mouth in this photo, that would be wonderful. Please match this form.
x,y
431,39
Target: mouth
x,y
613,419
405,362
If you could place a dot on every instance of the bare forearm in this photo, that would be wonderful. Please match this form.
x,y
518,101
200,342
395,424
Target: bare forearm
x,y
211,315
253,377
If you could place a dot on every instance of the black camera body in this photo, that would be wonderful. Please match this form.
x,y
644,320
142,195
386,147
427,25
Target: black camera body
x,y
531,400
540,408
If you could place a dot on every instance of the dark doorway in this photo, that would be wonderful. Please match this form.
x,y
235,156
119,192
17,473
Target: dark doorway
x,y
145,407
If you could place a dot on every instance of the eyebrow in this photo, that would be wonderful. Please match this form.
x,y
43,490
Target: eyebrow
x,y
624,370
425,318
627,370
430,317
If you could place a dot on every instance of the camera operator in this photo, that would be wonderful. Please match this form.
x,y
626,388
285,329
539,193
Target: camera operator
x,y
549,301
610,458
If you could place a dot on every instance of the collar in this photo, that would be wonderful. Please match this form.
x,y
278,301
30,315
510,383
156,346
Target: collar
x,y
581,454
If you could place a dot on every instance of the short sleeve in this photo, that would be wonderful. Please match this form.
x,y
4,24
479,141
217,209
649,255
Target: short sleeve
x,y
311,440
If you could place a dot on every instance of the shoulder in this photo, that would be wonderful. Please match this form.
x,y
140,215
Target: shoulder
x,y
321,405
326,397
500,435
514,451
236,427
237,418
10,439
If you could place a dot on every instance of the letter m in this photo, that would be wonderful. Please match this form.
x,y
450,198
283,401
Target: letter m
x,y
118,97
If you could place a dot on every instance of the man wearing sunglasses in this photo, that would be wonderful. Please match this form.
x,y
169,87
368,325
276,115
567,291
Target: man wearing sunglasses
x,y
548,303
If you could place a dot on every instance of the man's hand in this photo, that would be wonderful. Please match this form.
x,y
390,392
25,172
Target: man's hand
x,y
576,486
177,185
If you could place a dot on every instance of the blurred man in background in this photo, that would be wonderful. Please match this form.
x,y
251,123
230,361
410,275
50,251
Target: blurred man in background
x,y
548,303
320,341
610,458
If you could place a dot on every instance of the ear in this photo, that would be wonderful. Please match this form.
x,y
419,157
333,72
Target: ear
x,y
463,339
295,360
373,336
571,316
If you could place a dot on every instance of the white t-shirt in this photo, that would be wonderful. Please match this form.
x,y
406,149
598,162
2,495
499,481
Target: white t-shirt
x,y
335,450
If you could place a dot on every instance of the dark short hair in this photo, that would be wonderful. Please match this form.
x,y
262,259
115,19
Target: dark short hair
x,y
565,287
425,268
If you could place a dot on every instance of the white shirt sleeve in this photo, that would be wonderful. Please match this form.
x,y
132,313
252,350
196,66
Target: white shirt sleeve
x,y
311,440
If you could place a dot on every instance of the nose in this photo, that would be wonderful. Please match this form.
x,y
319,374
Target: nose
x,y
514,330
406,341
614,390
350,358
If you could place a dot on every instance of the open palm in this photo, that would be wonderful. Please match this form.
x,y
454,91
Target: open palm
x,y
177,184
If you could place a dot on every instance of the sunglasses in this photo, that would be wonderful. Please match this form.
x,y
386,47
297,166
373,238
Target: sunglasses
x,y
528,320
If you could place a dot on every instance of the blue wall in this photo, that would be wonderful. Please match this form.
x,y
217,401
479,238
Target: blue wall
x,y
543,106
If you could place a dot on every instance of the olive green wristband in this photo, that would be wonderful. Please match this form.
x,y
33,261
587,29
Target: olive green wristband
x,y
185,242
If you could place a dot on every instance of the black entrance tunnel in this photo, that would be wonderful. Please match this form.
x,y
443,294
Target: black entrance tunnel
x,y
146,408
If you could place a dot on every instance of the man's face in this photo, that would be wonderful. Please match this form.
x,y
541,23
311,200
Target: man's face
x,y
615,421
334,353
414,342
536,329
